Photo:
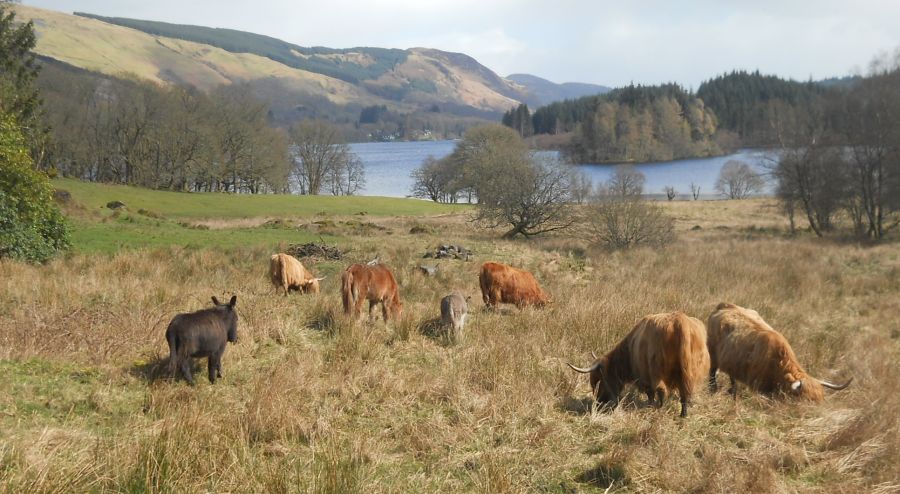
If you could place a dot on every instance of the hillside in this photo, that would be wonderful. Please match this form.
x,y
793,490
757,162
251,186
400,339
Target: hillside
x,y
405,81
540,91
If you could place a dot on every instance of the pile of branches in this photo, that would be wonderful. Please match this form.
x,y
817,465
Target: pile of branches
x,y
318,251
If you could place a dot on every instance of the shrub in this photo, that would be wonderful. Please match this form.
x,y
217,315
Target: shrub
x,y
32,228
620,223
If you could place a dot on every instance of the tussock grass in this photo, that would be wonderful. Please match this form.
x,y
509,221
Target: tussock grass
x,y
310,402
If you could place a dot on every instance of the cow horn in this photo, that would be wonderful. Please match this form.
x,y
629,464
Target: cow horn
x,y
592,368
320,279
593,355
836,387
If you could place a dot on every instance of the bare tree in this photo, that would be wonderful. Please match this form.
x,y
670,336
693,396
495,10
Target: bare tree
x,y
534,201
626,181
670,191
738,181
436,180
347,178
695,191
321,155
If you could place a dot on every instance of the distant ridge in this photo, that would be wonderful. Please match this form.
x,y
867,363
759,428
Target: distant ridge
x,y
540,91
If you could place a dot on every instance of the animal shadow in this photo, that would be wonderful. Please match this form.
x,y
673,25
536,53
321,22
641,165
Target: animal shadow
x,y
434,329
577,406
155,369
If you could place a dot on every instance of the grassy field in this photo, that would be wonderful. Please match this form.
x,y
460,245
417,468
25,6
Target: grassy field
x,y
159,219
311,403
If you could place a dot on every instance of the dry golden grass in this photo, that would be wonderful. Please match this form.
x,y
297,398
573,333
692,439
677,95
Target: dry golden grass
x,y
311,403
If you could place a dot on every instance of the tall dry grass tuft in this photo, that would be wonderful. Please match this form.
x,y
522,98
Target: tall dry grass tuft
x,y
312,402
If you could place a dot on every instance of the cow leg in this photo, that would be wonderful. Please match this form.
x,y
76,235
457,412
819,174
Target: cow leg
x,y
685,400
185,365
211,366
372,304
713,384
660,397
734,388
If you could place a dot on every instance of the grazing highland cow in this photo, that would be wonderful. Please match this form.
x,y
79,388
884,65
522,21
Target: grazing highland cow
x,y
454,308
287,273
661,353
201,334
374,283
505,284
742,345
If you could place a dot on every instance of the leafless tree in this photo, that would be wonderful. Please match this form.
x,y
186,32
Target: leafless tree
x,y
626,181
695,191
670,191
738,181
321,155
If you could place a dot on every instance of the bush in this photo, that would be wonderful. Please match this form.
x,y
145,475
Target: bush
x,y
620,223
32,228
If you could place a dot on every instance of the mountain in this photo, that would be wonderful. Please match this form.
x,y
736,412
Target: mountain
x,y
318,81
540,91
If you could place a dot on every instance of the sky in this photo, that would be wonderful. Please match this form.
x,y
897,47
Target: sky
x,y
601,42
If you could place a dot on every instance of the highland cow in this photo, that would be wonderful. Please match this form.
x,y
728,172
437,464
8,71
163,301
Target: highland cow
x,y
287,273
505,284
662,352
745,347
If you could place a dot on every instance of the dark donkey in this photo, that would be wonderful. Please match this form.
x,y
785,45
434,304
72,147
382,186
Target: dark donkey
x,y
201,334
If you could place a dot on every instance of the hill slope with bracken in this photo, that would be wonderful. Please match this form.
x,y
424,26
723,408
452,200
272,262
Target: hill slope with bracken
x,y
416,79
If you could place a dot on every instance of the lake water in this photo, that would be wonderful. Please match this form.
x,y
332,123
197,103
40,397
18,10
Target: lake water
x,y
389,164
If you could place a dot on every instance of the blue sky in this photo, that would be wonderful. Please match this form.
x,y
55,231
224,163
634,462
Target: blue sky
x,y
611,43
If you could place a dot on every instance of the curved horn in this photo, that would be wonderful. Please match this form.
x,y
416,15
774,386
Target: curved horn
x,y
592,368
836,387
320,279
593,355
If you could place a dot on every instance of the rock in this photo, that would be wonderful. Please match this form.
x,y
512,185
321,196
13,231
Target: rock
x,y
115,205
426,270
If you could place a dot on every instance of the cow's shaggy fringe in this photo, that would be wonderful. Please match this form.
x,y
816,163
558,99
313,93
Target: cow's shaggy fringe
x,y
312,403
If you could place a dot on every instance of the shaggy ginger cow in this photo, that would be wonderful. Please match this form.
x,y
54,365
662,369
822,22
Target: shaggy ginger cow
x,y
374,283
663,352
742,345
287,273
505,284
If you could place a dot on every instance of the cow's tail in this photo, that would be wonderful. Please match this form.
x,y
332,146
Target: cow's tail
x,y
348,295
693,353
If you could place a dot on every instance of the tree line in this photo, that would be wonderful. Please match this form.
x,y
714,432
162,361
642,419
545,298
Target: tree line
x,y
839,158
130,131
634,123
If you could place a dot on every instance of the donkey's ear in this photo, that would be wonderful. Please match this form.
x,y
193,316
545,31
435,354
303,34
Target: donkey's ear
x,y
215,300
233,301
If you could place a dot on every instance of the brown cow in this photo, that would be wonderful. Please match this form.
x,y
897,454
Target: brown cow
x,y
505,284
287,273
742,345
661,353
374,283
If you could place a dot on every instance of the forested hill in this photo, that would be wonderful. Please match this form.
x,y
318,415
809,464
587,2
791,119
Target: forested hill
x,y
743,101
634,123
